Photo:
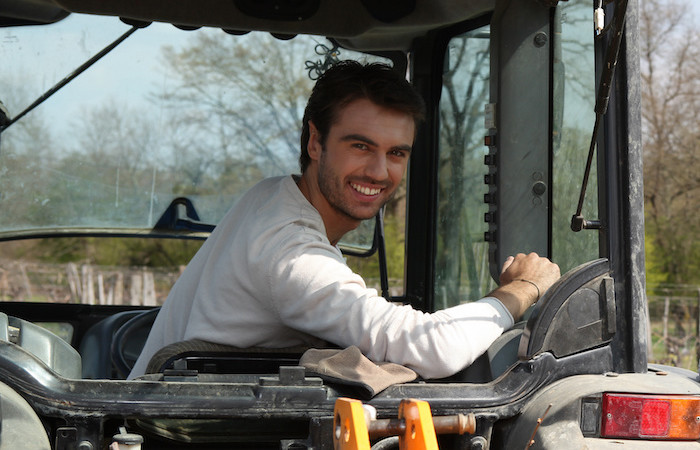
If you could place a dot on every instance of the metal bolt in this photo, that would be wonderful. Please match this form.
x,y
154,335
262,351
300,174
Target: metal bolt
x,y
540,39
539,188
478,443
85,445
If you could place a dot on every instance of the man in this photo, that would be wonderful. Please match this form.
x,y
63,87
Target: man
x,y
270,275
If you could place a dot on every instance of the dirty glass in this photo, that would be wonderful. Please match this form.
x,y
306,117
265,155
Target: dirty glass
x,y
168,113
574,100
462,266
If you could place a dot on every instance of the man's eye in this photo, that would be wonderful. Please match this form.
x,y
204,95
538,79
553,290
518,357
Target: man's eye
x,y
361,146
398,153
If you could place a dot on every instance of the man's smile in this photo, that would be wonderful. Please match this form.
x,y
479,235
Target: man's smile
x,y
365,190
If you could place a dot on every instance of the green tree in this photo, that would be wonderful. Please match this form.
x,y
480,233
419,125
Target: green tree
x,y
670,63
240,95
27,153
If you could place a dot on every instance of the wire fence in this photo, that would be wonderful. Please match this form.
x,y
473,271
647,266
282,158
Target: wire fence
x,y
674,318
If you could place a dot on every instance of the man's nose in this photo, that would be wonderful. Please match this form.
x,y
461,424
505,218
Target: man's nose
x,y
377,168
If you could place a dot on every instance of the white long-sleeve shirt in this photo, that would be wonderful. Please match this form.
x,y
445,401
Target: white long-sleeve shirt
x,y
269,277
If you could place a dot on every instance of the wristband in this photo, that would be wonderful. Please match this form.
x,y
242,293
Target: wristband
x,y
532,283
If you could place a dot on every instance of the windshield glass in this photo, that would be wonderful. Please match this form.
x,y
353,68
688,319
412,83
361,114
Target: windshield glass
x,y
168,114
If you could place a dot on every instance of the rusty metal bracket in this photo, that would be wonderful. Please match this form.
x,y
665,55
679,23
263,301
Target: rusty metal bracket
x,y
354,424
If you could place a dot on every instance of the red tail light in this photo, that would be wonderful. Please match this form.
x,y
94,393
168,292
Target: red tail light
x,y
650,416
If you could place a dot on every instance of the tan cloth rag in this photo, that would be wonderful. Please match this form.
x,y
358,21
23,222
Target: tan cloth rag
x,y
350,367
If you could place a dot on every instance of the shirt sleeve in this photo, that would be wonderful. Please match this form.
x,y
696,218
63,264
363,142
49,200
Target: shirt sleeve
x,y
314,291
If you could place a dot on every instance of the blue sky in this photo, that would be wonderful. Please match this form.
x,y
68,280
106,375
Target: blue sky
x,y
41,58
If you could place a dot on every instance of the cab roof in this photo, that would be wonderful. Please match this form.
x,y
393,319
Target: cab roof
x,y
357,24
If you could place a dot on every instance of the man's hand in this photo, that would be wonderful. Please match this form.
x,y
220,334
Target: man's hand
x,y
524,278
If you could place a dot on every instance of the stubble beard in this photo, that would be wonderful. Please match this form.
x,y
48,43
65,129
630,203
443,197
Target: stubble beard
x,y
331,186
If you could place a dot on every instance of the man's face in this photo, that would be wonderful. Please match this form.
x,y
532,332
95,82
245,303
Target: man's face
x,y
363,159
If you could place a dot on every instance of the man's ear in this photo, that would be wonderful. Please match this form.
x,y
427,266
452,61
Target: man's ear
x,y
314,147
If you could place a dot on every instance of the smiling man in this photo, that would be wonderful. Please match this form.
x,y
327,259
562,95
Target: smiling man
x,y
271,275
358,165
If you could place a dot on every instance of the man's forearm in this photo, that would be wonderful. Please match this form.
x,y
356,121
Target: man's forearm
x,y
517,296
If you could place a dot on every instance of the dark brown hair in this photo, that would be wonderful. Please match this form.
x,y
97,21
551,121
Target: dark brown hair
x,y
348,81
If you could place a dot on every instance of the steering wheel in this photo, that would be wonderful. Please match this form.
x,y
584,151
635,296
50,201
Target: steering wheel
x,y
129,339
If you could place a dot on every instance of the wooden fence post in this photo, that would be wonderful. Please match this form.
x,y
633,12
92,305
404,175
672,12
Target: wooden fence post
x,y
100,289
667,305
25,281
74,282
4,284
88,285
136,289
119,289
149,289
697,333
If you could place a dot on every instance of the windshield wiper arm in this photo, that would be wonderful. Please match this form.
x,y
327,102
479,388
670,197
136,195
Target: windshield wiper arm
x,y
578,222
8,122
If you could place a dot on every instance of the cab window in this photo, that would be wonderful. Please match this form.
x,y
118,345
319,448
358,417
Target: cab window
x,y
462,259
